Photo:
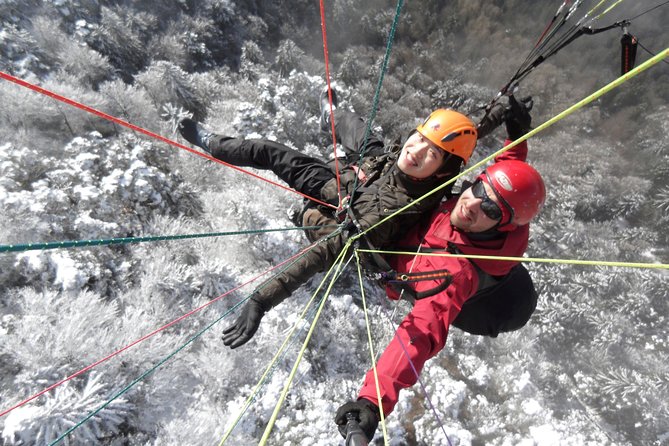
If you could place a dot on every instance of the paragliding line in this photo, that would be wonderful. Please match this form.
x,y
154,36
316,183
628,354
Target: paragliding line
x,y
142,376
377,93
371,351
527,259
157,238
332,117
147,336
149,133
160,363
597,94
649,10
279,354
338,267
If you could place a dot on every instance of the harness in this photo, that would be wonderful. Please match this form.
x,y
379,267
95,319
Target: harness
x,y
374,261
401,282
368,173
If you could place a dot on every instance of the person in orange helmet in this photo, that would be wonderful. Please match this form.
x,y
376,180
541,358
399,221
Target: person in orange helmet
x,y
383,181
490,217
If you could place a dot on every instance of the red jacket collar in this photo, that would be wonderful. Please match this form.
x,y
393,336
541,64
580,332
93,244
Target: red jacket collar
x,y
511,244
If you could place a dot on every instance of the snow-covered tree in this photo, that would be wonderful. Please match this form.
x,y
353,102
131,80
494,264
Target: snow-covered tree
x,y
590,368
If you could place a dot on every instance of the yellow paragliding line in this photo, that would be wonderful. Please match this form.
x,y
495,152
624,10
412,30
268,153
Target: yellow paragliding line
x,y
608,9
596,95
371,351
282,398
276,357
527,259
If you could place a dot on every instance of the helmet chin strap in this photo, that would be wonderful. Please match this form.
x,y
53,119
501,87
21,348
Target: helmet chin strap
x,y
508,227
493,231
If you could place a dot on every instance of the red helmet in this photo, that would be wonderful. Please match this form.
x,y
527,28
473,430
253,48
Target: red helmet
x,y
450,131
519,188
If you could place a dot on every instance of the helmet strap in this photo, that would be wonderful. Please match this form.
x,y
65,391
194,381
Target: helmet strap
x,y
508,227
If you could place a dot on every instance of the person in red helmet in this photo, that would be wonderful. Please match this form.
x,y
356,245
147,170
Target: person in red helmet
x,y
389,178
491,218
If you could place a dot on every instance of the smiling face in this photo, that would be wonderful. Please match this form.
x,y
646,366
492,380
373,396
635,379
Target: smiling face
x,y
468,216
420,158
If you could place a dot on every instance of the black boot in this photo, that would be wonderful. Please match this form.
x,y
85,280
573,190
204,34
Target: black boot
x,y
195,134
325,109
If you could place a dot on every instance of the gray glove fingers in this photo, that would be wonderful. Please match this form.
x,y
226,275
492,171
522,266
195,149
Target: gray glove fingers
x,y
230,329
367,420
241,340
515,109
234,331
518,118
237,338
231,334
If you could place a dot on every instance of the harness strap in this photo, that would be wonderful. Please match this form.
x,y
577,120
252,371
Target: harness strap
x,y
346,212
401,282
485,280
362,176
379,262
424,275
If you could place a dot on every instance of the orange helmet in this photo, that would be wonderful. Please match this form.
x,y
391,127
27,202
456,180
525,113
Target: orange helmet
x,y
451,131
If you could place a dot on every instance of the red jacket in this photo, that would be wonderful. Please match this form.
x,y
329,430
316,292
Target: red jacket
x,y
422,333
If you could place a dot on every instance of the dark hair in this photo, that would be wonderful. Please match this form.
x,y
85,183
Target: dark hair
x,y
451,165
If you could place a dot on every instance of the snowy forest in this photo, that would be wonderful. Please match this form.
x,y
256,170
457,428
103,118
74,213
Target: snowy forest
x,y
127,336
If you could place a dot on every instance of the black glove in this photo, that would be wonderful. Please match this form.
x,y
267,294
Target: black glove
x,y
492,119
246,324
366,414
517,117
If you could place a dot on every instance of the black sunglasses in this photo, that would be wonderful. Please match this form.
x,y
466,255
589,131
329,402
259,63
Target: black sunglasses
x,y
489,207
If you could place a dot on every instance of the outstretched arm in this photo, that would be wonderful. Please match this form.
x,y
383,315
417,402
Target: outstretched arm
x,y
421,335
278,288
